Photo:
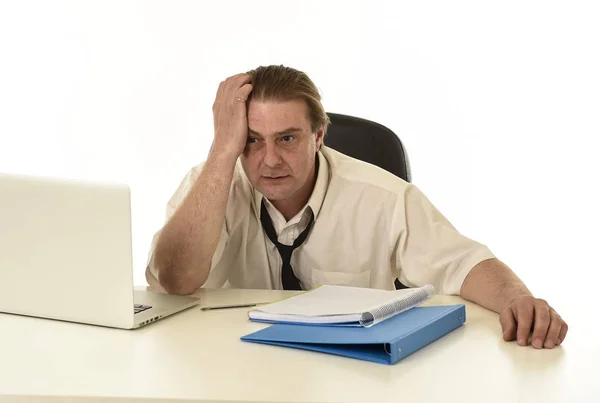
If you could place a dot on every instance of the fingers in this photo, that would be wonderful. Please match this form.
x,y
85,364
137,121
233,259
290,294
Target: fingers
x,y
244,92
233,84
508,324
529,315
233,77
524,322
238,79
230,115
563,332
228,88
541,323
243,79
553,330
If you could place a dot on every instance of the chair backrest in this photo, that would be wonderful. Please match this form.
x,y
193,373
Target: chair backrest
x,y
368,141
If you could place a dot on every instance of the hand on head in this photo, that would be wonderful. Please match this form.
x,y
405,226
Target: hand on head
x,y
230,115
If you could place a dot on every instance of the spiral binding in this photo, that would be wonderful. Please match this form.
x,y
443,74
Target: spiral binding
x,y
409,299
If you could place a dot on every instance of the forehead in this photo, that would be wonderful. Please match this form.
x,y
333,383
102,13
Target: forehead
x,y
271,116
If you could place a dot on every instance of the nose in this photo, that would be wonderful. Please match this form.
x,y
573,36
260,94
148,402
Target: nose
x,y
272,158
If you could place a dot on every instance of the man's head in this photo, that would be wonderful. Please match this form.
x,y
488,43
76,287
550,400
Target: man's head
x,y
286,126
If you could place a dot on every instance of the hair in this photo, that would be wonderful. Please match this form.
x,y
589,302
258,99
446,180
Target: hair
x,y
280,83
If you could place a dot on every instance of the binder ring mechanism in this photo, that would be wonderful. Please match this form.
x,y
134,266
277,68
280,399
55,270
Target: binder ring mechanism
x,y
387,349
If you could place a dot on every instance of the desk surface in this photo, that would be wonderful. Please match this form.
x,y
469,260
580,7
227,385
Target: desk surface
x,y
198,355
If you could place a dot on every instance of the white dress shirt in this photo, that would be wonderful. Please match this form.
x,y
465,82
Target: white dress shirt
x,y
370,227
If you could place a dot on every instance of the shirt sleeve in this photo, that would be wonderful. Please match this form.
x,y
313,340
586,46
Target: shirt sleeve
x,y
174,202
430,249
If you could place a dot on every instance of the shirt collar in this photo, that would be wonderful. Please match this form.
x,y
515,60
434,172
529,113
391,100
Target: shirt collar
x,y
318,194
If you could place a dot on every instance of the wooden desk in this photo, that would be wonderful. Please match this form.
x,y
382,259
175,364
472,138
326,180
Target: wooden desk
x,y
198,355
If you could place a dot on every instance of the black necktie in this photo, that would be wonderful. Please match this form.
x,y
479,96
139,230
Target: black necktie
x,y
288,278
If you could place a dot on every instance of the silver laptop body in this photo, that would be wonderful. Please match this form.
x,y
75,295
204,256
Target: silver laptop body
x,y
66,254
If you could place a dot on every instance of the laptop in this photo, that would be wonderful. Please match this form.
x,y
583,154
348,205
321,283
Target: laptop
x,y
66,254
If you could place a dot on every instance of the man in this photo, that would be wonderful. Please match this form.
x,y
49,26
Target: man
x,y
272,207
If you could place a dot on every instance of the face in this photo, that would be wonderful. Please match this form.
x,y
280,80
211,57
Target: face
x,y
279,158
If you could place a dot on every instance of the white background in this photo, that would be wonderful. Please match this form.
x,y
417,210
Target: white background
x,y
497,103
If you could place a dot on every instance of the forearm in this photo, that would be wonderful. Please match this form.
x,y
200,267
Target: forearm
x,y
493,285
188,241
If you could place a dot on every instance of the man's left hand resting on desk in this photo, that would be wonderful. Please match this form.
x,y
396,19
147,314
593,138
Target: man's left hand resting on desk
x,y
494,286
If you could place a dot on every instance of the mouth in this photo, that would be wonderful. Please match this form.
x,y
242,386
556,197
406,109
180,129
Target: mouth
x,y
275,178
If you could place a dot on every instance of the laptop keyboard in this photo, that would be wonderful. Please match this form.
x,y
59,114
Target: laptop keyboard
x,y
137,308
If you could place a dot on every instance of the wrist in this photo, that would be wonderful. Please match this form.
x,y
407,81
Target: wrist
x,y
223,155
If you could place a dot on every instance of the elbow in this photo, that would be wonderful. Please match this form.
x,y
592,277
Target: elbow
x,y
177,277
175,280
180,289
179,284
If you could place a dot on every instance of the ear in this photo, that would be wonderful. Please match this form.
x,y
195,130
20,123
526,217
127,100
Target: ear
x,y
320,135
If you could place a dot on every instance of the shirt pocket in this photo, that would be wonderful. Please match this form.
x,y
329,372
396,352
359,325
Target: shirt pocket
x,y
321,277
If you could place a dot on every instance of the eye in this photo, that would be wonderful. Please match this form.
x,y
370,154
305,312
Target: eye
x,y
287,139
251,140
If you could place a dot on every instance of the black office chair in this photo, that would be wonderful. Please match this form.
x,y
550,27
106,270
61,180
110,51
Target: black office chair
x,y
370,142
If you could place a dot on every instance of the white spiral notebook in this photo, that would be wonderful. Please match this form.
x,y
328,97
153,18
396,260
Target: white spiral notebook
x,y
342,306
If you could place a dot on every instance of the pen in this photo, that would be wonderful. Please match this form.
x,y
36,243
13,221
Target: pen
x,y
209,308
